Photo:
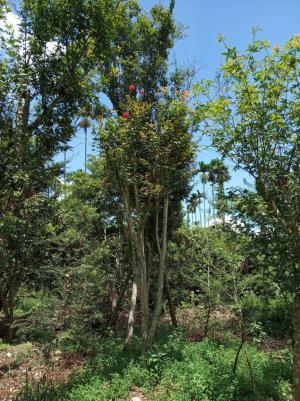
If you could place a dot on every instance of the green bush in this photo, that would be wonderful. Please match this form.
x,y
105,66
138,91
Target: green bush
x,y
273,314
36,317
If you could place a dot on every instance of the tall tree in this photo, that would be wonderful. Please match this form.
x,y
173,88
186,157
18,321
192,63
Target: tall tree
x,y
149,154
138,67
219,175
254,121
45,79
203,179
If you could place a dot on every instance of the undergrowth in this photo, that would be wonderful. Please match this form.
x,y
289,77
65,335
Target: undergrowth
x,y
175,370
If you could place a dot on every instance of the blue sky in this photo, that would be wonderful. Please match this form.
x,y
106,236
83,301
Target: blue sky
x,y
204,19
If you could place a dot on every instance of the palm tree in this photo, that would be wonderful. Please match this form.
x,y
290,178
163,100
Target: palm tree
x,y
212,178
193,203
188,215
209,215
85,124
216,173
220,176
204,179
199,200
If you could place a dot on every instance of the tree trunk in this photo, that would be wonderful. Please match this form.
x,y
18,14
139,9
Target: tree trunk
x,y
236,359
296,347
144,295
120,298
204,206
213,203
170,300
9,311
222,202
134,295
207,320
208,312
200,216
139,238
9,326
131,318
133,245
162,251
136,237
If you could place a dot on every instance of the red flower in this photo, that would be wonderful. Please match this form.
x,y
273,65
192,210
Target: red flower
x,y
131,87
142,92
125,114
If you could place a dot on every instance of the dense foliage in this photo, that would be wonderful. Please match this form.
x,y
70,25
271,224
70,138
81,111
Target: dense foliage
x,y
168,284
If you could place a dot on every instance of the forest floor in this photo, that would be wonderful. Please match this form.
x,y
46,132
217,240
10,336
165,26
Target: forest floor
x,y
27,363
182,366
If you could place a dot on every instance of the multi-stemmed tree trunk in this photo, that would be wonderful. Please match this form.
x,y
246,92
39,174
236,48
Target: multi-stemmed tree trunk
x,y
148,154
141,266
161,243
134,265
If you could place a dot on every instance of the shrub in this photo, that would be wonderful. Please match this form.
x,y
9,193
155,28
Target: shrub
x,y
36,317
273,314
